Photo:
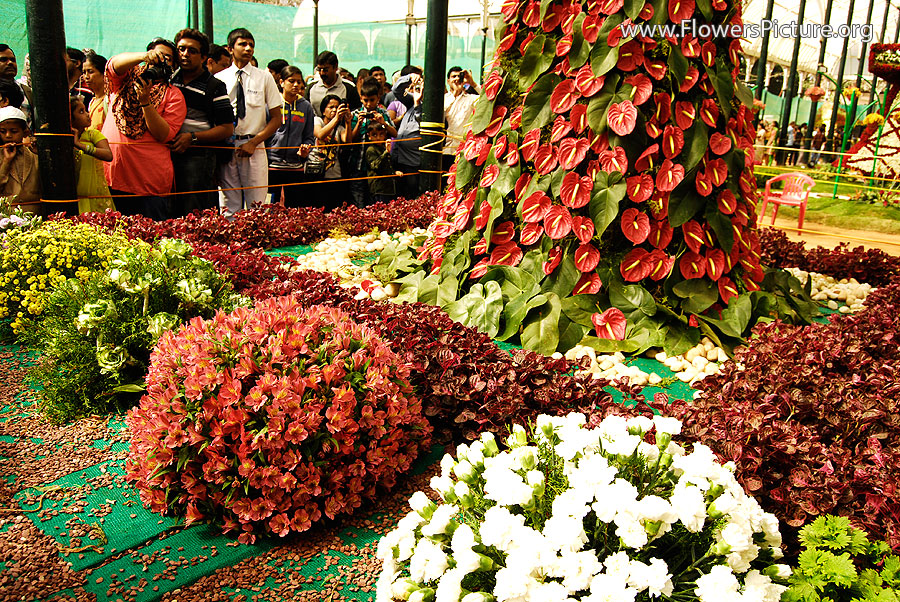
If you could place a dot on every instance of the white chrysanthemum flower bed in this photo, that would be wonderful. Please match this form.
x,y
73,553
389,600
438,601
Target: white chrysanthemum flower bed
x,y
833,292
618,512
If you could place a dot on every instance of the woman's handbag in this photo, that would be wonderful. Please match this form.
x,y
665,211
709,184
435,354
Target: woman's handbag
x,y
315,163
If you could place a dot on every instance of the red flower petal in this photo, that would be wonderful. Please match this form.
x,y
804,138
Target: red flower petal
x,y
510,10
673,141
530,144
653,129
483,214
578,117
575,190
523,45
535,207
499,146
545,159
643,88
512,155
522,185
680,10
508,39
694,236
461,217
663,108
506,254
585,81
727,289
708,53
635,225
646,13
590,28
496,122
734,51
489,175
492,85
561,127
614,36
659,204
690,78
503,233
515,120
715,264
610,7
703,184
588,284
660,234
726,202
717,171
553,259
586,257
660,264
531,233
656,68
706,85
634,266
564,96
685,113
622,117
479,269
557,222
614,160
690,47
564,45
531,16
572,152
611,324
719,143
639,187
647,160
669,176
583,228
692,265
631,56
480,247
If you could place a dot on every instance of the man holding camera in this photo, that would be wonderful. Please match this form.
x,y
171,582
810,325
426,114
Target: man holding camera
x,y
145,113
458,103
368,114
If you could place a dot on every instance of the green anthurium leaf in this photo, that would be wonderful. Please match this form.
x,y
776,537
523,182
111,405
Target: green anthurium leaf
x,y
735,318
735,160
646,334
514,313
539,55
678,64
698,294
513,281
604,57
705,7
564,277
506,181
416,286
610,345
545,6
541,330
465,169
457,255
696,141
580,50
631,298
495,200
599,105
580,308
480,308
484,108
679,338
660,13
533,262
684,203
743,93
570,334
605,198
721,225
556,179
536,112
723,84
633,8
447,290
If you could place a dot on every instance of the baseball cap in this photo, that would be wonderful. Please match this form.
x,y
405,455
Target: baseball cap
x,y
7,113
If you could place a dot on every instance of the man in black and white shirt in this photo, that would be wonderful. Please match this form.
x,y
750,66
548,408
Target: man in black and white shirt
x,y
330,82
209,122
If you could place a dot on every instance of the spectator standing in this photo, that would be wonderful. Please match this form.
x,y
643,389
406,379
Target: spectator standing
x,y
94,79
771,139
331,129
219,59
209,123
8,71
330,82
389,98
11,94
406,154
145,113
378,159
818,142
274,67
361,76
291,143
798,144
18,163
378,73
458,104
91,147
257,107
368,114
791,136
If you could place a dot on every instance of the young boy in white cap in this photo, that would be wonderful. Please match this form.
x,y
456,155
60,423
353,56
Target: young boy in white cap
x,y
18,164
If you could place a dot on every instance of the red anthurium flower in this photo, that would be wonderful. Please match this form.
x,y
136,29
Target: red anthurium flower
x,y
690,78
685,113
575,190
585,81
673,141
717,171
557,222
522,184
461,217
469,147
481,246
631,56
692,265
552,18
639,187
510,10
583,227
586,257
564,96
719,143
451,200
535,207
469,200
489,175
588,284
715,263
599,143
593,167
492,85
479,269
610,324
568,17
680,10
719,5
611,7
659,204
647,160
622,117
512,154
590,28
727,202
553,259
709,112
564,45
496,122
734,51
523,46
669,176
515,119
545,159
660,264
634,266
499,146
572,152
693,235
747,183
706,85
503,233
561,127
506,254
614,36
642,88
531,233
635,225
660,234
614,160
484,213
531,16
653,129
656,68
646,13
578,117
529,145
663,109
508,39
703,183
727,289
708,53
690,46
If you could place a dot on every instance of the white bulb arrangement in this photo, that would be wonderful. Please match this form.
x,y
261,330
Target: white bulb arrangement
x,y
569,514
832,291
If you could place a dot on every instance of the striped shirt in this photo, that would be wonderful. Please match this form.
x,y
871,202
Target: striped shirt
x,y
207,102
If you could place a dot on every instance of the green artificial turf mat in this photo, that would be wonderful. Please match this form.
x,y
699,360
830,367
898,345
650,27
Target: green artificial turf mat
x,y
295,250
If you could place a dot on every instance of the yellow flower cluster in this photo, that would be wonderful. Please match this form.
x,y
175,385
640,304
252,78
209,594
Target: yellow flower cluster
x,y
33,262
871,118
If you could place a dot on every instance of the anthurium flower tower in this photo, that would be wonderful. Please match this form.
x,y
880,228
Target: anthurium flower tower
x,y
606,187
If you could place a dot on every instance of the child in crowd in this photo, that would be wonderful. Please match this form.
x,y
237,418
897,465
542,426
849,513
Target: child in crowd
x,y
361,121
91,147
378,158
18,164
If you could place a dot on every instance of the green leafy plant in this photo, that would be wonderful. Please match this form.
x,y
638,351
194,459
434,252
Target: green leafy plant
x,y
96,336
14,217
839,563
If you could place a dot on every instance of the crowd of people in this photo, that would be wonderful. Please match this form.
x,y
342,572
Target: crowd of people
x,y
798,149
188,125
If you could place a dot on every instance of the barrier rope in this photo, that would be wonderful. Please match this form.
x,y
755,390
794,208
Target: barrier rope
x,y
335,144
433,128
810,150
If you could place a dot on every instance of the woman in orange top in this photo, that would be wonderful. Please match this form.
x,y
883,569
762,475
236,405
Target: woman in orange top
x,y
95,81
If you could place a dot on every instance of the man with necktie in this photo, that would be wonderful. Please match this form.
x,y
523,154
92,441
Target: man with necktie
x,y
257,108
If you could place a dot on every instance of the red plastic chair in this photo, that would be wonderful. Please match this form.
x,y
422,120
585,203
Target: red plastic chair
x,y
795,193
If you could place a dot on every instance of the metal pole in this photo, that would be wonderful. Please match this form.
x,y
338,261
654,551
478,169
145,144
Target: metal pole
x,y
206,19
887,9
829,144
315,34
410,21
432,125
897,32
814,104
52,129
763,54
195,14
865,45
484,31
792,80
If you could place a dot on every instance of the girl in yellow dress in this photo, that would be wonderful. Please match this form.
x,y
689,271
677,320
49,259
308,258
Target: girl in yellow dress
x,y
91,147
